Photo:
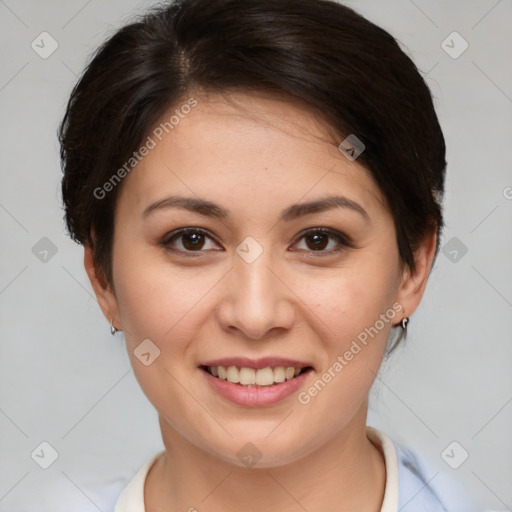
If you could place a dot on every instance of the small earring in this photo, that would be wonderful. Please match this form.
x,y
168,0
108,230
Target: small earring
x,y
113,330
403,323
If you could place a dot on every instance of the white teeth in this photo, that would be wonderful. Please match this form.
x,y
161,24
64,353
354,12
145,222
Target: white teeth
x,y
279,374
247,376
233,374
250,377
265,377
289,373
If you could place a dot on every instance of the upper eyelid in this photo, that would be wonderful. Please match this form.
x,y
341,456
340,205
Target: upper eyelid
x,y
333,233
183,231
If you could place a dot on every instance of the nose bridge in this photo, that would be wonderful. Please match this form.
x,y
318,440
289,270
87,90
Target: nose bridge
x,y
257,300
256,281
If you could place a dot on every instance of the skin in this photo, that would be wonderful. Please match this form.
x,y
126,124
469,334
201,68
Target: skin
x,y
256,155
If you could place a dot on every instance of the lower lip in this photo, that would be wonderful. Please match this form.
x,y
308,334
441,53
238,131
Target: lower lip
x,y
255,396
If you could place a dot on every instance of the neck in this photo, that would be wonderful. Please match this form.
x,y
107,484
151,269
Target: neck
x,y
346,473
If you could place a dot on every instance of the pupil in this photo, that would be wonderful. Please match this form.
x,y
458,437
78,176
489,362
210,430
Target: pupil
x,y
320,241
193,241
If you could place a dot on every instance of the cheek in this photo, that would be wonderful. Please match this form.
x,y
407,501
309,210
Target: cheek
x,y
355,308
163,304
159,302
352,298
357,315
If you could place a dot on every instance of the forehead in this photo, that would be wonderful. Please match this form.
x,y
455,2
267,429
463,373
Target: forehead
x,y
240,147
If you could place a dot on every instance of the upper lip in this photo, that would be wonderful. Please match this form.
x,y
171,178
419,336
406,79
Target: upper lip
x,y
264,362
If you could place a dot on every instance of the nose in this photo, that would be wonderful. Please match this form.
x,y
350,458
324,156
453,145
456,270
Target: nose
x,y
255,299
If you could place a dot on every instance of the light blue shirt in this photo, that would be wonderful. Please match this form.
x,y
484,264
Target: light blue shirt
x,y
424,489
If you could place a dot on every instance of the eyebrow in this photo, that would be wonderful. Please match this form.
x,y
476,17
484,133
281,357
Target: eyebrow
x,y
209,209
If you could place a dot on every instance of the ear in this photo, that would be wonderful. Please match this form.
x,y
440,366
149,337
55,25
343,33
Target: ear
x,y
413,283
102,289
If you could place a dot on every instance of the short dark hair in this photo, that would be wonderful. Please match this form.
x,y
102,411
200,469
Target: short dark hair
x,y
314,51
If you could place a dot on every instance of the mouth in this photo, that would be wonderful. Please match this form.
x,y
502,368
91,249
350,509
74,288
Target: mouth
x,y
255,383
248,376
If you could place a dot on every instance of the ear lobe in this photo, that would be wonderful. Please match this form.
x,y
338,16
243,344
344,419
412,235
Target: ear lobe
x,y
414,282
102,289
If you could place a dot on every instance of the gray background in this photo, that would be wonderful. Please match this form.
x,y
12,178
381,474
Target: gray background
x,y
65,380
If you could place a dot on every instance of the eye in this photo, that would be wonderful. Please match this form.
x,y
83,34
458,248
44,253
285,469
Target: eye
x,y
326,241
322,241
189,240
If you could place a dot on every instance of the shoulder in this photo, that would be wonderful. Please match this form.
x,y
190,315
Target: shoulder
x,y
424,488
414,483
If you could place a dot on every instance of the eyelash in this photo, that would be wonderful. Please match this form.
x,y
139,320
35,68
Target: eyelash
x,y
342,239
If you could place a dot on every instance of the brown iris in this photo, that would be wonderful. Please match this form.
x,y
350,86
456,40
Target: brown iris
x,y
193,241
319,241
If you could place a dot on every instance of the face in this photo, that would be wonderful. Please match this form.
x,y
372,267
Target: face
x,y
246,239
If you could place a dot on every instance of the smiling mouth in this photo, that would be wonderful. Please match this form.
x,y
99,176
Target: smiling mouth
x,y
263,377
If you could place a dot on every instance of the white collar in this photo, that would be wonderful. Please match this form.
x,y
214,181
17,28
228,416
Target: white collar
x,y
384,443
132,497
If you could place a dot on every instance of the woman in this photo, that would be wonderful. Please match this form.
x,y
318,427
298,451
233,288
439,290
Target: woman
x,y
257,186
